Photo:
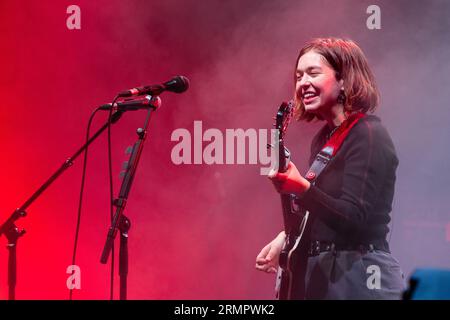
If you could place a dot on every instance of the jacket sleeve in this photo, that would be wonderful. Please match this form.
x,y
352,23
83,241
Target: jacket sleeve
x,y
365,165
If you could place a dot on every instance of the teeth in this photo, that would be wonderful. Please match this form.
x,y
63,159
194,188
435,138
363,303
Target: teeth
x,y
309,95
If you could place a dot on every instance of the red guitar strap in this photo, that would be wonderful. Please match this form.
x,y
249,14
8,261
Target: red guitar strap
x,y
332,146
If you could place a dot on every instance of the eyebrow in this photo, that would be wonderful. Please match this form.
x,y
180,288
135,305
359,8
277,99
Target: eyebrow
x,y
309,69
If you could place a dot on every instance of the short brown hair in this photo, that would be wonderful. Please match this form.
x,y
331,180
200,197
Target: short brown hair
x,y
350,64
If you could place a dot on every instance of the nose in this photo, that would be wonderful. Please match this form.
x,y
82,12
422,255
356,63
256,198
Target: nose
x,y
304,83
305,80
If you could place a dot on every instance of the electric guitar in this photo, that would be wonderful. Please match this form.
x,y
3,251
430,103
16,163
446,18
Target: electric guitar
x,y
290,282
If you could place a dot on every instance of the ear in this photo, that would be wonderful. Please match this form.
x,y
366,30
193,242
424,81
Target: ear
x,y
341,83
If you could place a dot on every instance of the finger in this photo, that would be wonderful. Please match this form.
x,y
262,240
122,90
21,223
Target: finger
x,y
261,268
281,177
262,254
261,261
276,175
272,270
272,173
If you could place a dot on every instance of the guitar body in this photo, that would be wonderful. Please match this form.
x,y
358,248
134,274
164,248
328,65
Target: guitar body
x,y
293,259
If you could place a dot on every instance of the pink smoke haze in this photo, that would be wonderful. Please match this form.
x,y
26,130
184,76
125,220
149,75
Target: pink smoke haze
x,y
196,229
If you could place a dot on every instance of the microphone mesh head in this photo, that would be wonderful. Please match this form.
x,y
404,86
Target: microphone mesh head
x,y
180,84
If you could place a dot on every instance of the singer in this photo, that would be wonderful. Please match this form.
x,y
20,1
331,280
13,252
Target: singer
x,y
350,203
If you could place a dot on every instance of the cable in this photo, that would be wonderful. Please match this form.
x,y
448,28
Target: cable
x,y
80,201
111,195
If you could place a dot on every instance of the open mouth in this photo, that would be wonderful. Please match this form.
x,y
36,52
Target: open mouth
x,y
309,97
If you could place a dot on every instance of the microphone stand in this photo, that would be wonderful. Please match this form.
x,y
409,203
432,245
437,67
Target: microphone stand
x,y
10,230
120,222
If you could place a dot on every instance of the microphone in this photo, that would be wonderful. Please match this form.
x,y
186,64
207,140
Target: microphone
x,y
177,84
134,104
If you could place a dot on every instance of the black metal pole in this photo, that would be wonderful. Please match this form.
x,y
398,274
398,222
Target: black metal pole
x,y
123,256
9,229
120,203
12,235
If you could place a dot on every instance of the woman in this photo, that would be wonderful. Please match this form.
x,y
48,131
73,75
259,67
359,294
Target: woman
x,y
351,200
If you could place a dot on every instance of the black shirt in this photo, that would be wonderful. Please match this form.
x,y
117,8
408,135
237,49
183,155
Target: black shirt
x,y
352,198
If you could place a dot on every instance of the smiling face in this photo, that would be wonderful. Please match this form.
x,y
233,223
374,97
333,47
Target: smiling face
x,y
316,84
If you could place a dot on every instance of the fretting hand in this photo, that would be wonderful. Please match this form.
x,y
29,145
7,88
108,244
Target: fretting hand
x,y
289,182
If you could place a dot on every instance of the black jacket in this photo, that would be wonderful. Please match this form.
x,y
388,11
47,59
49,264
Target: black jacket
x,y
352,198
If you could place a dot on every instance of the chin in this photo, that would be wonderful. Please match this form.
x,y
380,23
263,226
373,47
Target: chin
x,y
311,108
314,110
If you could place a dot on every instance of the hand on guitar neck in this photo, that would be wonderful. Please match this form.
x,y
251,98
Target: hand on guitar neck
x,y
289,182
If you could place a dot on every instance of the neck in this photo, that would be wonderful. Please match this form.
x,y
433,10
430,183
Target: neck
x,y
335,116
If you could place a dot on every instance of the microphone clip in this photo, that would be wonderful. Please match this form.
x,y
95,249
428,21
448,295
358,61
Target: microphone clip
x,y
133,104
